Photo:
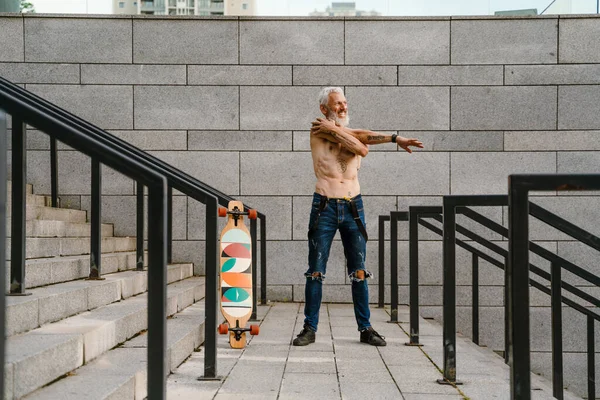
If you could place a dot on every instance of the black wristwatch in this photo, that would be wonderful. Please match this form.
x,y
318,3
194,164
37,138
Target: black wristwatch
x,y
394,136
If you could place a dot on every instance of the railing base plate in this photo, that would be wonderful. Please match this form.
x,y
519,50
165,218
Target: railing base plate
x,y
208,379
447,382
414,344
19,294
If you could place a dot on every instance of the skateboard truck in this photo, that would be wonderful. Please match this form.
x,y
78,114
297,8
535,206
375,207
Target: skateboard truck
x,y
237,331
236,213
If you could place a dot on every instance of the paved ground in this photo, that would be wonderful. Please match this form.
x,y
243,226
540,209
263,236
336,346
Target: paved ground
x,y
338,366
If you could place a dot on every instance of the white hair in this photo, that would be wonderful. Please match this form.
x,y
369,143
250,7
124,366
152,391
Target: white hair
x,y
324,94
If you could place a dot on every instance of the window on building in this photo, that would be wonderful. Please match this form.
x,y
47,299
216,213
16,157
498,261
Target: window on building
x,y
172,3
244,6
191,3
121,4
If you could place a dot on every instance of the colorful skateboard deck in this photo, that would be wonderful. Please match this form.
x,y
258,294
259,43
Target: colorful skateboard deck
x,y
236,275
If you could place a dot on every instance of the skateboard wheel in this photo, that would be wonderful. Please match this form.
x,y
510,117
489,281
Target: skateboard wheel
x,y
222,211
252,214
254,330
223,329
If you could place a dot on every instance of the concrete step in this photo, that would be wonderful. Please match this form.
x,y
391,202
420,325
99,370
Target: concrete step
x,y
33,211
29,189
48,271
121,372
54,247
38,357
56,302
49,228
55,214
31,199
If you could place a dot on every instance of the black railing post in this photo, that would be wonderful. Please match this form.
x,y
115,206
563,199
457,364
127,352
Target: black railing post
x,y
449,291
413,254
263,260
96,225
254,268
19,209
382,219
157,291
3,201
506,311
211,302
557,348
475,291
169,224
393,267
139,227
53,172
591,358
518,289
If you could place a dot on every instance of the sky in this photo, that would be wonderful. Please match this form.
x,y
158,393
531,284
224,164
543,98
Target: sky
x,y
385,7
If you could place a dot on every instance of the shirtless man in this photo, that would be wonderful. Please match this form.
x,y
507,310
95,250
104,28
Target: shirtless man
x,y
337,204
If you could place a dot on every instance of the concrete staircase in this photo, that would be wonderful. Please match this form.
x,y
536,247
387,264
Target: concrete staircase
x,y
73,338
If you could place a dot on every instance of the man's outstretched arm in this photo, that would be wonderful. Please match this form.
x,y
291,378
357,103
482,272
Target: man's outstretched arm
x,y
370,137
365,136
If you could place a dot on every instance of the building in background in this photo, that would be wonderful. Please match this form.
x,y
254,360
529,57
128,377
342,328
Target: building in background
x,y
343,9
240,7
125,6
185,7
211,7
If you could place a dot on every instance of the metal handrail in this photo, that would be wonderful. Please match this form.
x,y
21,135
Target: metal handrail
x,y
89,144
176,178
186,184
3,203
517,274
455,204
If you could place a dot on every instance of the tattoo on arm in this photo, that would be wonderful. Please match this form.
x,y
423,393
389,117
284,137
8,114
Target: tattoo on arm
x,y
377,139
343,140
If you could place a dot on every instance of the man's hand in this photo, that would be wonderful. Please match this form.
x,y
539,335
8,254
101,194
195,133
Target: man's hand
x,y
322,125
405,143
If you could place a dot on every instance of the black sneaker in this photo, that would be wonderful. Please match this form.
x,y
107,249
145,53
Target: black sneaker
x,y
305,337
371,337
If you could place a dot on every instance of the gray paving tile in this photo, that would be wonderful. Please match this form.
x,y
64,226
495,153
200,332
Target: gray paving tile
x,y
314,386
311,362
369,390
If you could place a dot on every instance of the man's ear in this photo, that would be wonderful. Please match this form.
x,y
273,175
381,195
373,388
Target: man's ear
x,y
323,110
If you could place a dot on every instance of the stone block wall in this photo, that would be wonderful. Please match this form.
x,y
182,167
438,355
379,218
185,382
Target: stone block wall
x,y
230,101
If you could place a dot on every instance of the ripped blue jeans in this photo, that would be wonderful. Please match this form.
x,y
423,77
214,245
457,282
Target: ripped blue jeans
x,y
336,215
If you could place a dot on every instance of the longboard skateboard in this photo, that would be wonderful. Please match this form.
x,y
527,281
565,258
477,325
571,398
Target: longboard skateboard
x,y
236,275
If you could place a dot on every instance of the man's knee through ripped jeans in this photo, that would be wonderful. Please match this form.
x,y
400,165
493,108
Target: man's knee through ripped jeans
x,y
360,275
315,276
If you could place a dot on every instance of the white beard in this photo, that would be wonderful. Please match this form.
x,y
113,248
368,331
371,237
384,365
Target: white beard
x,y
342,121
